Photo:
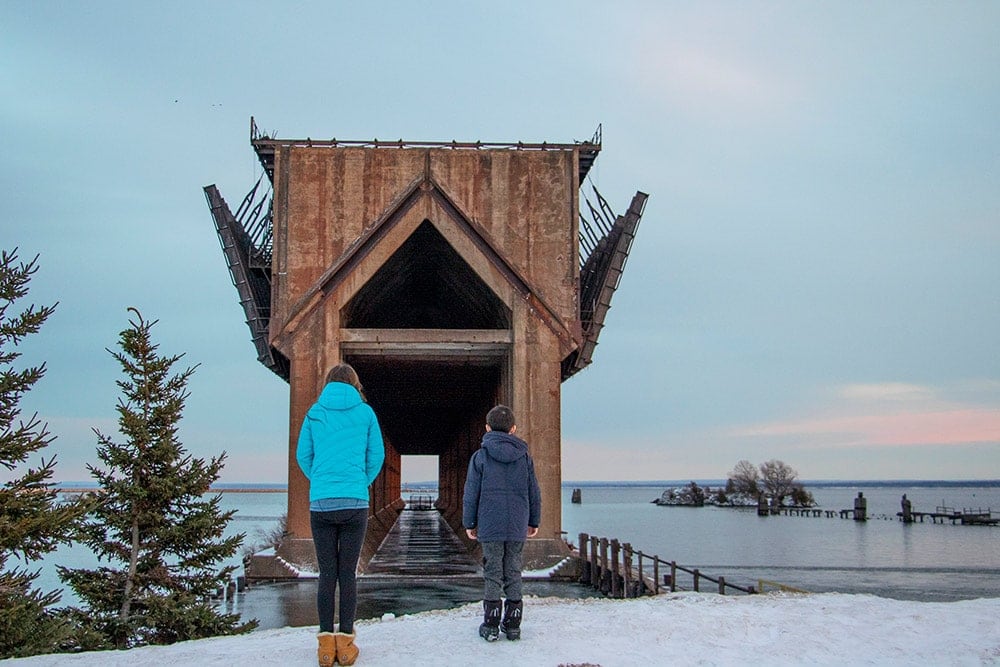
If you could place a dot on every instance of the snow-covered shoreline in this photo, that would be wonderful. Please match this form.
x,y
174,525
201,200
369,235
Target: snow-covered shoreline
x,y
682,628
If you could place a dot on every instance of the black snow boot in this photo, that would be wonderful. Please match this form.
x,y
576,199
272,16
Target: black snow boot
x,y
490,629
511,624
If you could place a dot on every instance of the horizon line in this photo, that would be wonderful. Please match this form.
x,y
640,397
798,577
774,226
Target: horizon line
x,y
69,486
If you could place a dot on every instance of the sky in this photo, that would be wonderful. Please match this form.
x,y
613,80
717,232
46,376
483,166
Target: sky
x,y
816,277
683,628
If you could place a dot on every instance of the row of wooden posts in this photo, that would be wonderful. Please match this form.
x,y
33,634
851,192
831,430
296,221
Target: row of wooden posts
x,y
619,571
229,591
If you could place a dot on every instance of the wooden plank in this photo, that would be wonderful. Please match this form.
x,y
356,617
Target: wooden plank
x,y
426,336
443,353
400,346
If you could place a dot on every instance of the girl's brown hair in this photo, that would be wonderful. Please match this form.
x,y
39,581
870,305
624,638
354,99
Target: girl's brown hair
x,y
344,373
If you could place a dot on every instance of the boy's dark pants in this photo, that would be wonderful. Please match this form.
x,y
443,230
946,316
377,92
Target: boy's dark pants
x,y
338,536
502,570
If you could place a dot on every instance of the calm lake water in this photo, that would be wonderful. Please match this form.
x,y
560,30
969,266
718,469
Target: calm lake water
x,y
882,556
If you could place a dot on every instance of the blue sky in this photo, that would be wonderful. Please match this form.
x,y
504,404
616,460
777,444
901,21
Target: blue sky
x,y
816,277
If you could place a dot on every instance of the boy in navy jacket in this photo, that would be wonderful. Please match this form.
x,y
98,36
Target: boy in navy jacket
x,y
501,508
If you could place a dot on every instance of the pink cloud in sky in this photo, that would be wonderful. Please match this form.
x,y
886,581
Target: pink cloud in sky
x,y
940,427
887,391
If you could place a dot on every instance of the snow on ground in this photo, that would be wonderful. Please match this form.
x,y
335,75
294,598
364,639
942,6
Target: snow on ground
x,y
676,629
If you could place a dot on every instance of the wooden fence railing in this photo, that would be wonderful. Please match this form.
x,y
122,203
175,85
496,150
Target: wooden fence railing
x,y
620,571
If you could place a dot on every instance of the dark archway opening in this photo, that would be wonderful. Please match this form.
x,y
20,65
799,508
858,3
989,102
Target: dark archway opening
x,y
424,405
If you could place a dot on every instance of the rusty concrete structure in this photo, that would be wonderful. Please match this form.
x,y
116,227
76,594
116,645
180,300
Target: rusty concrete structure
x,y
452,276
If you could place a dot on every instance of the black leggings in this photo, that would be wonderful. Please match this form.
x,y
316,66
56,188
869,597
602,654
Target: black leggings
x,y
338,537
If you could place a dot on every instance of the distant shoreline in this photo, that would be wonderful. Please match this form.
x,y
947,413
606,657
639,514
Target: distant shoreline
x,y
809,483
249,489
416,487
214,489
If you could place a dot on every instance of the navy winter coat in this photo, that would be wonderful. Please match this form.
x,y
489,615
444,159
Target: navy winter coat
x,y
501,496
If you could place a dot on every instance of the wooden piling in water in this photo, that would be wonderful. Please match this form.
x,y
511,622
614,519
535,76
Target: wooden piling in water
x,y
627,570
604,566
595,562
615,574
642,580
860,507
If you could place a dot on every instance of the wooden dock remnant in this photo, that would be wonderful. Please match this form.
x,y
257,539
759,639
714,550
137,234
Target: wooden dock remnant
x,y
907,509
860,507
965,517
619,571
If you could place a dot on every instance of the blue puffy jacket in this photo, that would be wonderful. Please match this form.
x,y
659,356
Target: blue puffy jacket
x,y
340,445
501,496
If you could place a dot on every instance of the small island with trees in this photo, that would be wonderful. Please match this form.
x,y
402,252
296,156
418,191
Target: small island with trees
x,y
773,484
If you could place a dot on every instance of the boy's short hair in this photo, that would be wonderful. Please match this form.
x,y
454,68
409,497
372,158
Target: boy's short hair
x,y
500,418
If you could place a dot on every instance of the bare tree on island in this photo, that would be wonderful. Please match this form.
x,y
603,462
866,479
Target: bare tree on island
x,y
32,521
779,480
743,479
163,539
774,479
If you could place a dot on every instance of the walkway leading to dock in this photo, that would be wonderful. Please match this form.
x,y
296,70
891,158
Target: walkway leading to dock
x,y
422,544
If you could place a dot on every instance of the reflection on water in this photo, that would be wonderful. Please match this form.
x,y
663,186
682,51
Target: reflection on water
x,y
294,603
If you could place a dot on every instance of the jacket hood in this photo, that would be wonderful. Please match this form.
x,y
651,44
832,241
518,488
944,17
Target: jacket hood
x,y
339,396
504,447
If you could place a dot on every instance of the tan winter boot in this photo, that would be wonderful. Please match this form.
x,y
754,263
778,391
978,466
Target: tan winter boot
x,y
347,652
327,649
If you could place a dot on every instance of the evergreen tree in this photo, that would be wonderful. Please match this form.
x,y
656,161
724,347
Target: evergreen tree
x,y
162,539
32,522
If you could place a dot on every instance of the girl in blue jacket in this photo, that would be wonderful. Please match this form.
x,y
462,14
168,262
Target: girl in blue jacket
x,y
340,450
